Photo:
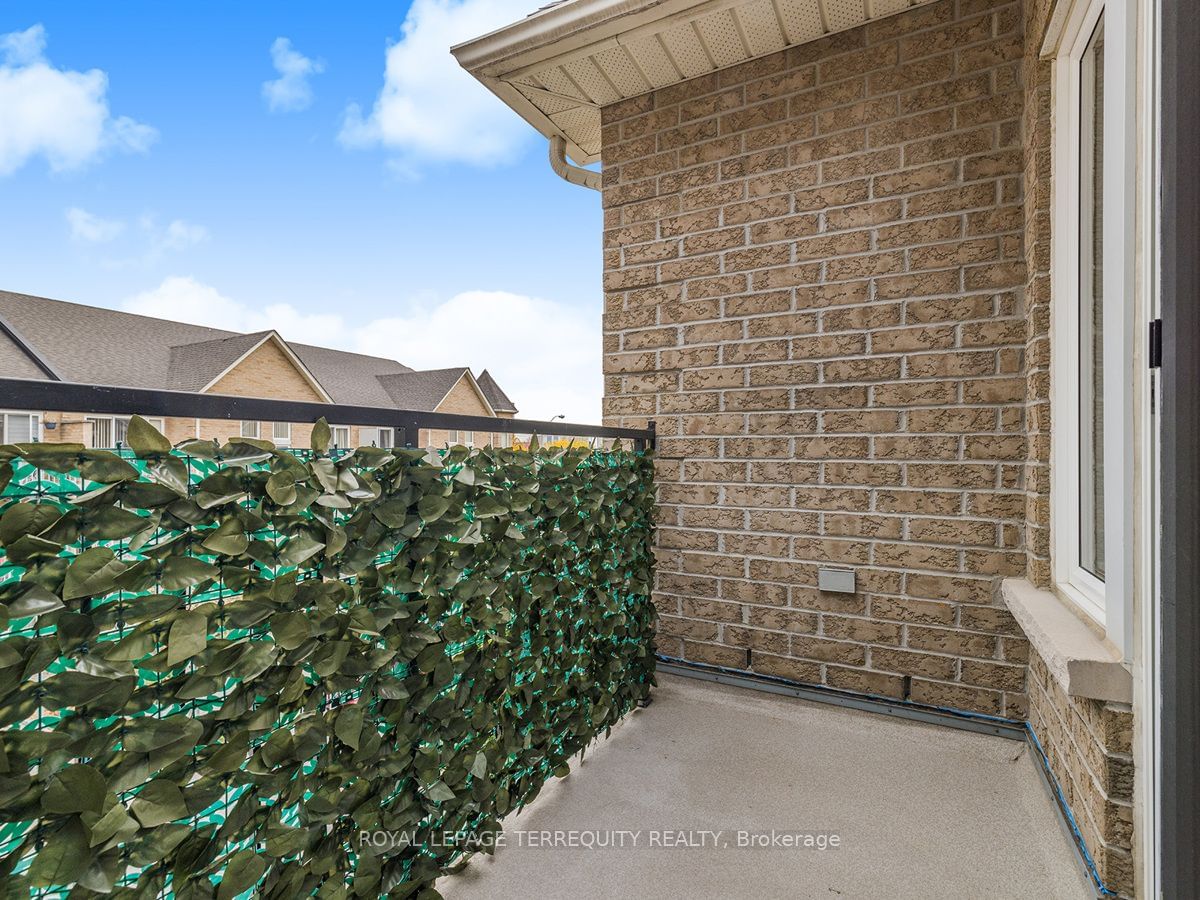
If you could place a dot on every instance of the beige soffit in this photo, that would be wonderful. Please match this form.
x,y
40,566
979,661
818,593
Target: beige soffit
x,y
559,66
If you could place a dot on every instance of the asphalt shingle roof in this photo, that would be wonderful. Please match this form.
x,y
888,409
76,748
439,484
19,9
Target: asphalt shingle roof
x,y
424,389
192,367
91,345
496,397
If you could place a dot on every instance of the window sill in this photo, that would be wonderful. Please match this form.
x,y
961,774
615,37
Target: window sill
x,y
1083,663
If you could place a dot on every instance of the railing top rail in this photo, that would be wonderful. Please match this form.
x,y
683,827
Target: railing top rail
x,y
64,396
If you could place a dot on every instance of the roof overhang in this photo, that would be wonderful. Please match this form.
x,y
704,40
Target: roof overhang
x,y
559,67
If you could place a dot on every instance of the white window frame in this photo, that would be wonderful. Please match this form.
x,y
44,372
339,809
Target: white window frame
x,y
250,429
158,423
35,430
374,437
1108,602
283,439
338,432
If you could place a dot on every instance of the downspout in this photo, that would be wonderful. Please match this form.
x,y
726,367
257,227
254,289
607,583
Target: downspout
x,y
574,174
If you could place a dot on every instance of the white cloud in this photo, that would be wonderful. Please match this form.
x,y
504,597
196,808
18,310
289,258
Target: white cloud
x,y
146,244
59,114
185,299
546,355
290,92
91,228
430,109
178,235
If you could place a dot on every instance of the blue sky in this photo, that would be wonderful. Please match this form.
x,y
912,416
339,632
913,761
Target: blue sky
x,y
401,211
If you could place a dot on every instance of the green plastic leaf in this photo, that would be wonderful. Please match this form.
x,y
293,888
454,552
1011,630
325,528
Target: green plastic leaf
x,y
281,487
488,507
105,467
179,572
299,548
93,572
439,792
74,789
242,872
321,436
188,637
144,439
64,856
115,822
158,803
111,523
27,518
228,539
479,766
432,507
33,602
290,629
348,726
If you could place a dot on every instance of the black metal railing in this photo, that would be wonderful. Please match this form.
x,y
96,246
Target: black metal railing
x,y
65,396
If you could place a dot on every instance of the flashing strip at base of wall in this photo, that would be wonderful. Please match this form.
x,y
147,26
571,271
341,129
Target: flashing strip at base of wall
x,y
901,709
1012,729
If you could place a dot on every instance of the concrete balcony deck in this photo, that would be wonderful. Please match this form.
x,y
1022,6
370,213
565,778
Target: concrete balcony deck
x,y
921,811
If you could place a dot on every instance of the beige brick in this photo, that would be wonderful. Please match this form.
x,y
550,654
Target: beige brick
x,y
827,277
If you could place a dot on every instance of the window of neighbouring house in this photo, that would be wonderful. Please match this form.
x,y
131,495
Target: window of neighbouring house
x,y
378,437
1093,305
249,429
341,436
281,434
106,432
20,427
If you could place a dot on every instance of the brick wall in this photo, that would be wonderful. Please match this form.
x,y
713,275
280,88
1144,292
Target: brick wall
x,y
814,273
1089,746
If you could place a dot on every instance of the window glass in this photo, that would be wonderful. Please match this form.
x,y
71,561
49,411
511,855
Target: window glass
x,y
18,428
101,435
1091,312
250,429
341,436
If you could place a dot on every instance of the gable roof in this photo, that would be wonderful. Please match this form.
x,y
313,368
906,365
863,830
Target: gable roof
x,y
423,390
495,396
92,345
195,366
264,338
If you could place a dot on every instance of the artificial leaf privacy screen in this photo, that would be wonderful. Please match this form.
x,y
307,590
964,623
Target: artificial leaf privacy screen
x,y
221,665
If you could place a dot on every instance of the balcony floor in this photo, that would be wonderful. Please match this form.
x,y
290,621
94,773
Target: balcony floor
x,y
922,811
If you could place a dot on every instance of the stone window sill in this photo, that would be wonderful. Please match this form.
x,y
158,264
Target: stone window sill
x,y
1084,663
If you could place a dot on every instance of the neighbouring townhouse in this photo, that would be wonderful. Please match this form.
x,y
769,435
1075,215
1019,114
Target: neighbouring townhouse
x,y
51,339
884,273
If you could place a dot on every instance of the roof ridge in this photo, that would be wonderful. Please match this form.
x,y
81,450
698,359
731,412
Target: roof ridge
x,y
230,337
121,312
